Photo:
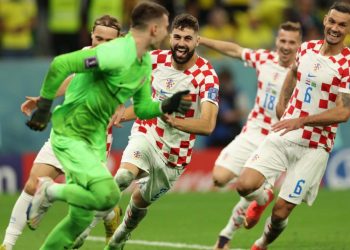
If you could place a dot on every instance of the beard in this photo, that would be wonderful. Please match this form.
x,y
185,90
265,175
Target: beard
x,y
332,42
182,60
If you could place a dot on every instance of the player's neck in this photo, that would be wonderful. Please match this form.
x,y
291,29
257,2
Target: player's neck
x,y
142,42
331,49
185,66
286,64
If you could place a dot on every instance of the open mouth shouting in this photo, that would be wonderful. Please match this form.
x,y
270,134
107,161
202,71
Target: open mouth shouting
x,y
181,54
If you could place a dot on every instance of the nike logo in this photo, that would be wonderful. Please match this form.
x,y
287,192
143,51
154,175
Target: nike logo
x,y
162,92
310,75
293,196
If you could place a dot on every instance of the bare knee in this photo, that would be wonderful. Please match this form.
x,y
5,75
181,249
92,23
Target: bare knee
x,y
249,181
221,176
30,185
39,170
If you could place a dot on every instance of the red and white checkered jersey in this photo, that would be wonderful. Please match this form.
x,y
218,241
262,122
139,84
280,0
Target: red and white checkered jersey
x,y
270,76
319,81
175,146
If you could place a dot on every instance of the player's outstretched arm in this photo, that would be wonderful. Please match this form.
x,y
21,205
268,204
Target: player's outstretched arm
x,y
62,89
63,66
119,116
340,113
30,104
204,125
227,48
286,91
146,108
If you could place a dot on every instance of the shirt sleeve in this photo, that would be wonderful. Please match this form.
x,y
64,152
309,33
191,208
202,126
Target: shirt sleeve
x,y
209,89
298,55
344,86
117,54
144,106
64,65
254,58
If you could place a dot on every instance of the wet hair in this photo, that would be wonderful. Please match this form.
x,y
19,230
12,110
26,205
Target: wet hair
x,y
341,7
107,21
145,12
183,21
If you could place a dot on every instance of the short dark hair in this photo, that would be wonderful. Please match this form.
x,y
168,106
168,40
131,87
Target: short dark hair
x,y
146,11
291,26
107,21
183,21
341,7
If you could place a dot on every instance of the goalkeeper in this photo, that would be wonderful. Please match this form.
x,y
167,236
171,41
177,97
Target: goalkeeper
x,y
107,76
106,28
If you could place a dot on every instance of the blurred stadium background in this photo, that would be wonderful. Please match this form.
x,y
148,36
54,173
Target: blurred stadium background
x,y
32,32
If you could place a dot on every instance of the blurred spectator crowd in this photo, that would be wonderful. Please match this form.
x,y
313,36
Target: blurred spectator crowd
x,y
42,28
51,27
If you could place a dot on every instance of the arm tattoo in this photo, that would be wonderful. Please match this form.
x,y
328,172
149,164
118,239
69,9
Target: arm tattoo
x,y
345,99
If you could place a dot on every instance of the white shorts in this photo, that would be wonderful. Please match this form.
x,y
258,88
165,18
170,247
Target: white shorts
x,y
160,177
47,156
234,156
304,167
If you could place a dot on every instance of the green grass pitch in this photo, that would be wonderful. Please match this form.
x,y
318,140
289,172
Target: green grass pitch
x,y
194,219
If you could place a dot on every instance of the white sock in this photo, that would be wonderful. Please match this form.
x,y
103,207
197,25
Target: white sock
x,y
271,232
133,216
260,195
236,219
18,220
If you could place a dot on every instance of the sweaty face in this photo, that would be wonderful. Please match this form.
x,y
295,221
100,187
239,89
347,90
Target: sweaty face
x,y
287,44
336,27
183,44
102,34
161,32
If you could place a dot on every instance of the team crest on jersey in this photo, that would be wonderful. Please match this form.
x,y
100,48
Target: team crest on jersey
x,y
317,67
169,83
213,94
137,154
255,157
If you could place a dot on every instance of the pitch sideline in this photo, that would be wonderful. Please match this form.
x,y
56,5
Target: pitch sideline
x,y
161,244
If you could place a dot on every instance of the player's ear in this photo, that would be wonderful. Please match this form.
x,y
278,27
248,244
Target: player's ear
x,y
325,20
153,29
197,42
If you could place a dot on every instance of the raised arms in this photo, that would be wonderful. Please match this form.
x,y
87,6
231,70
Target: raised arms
x,y
227,48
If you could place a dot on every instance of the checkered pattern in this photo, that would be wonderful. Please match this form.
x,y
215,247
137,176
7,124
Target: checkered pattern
x,y
173,145
270,80
319,81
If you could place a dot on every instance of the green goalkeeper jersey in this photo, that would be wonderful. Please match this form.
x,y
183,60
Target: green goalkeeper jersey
x,y
106,76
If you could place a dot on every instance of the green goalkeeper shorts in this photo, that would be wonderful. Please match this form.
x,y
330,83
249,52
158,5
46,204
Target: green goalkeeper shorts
x,y
82,165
